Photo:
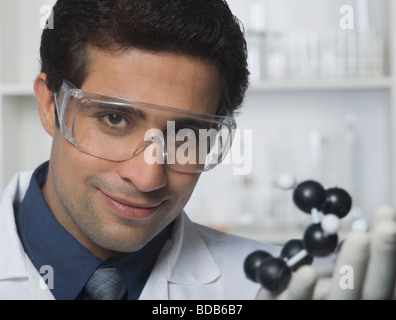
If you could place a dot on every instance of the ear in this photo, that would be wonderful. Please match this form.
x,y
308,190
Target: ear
x,y
46,103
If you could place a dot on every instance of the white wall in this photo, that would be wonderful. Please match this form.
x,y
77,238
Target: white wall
x,y
23,142
26,143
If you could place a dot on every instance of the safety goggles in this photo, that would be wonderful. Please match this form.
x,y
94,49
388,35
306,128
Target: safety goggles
x,y
118,129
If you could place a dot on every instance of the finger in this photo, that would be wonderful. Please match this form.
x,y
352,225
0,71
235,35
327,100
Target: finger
x,y
302,284
322,289
264,294
381,273
350,269
384,213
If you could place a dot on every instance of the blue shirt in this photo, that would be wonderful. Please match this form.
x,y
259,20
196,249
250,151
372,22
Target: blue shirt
x,y
47,243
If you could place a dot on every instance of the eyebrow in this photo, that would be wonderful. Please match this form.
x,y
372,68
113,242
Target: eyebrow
x,y
189,122
179,122
120,108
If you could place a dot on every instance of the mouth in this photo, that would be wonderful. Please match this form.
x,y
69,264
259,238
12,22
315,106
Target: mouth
x,y
130,210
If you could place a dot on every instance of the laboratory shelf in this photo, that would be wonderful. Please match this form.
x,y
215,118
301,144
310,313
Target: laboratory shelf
x,y
322,84
24,89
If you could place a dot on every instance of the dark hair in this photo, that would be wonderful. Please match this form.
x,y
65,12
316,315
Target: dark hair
x,y
202,28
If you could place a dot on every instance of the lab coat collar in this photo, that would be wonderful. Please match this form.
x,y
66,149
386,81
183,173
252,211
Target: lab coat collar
x,y
184,260
190,262
12,251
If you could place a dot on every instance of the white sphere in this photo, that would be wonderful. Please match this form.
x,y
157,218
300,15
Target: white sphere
x,y
360,225
330,224
286,181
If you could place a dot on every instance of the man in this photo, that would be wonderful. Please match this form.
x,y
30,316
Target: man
x,y
131,92
100,201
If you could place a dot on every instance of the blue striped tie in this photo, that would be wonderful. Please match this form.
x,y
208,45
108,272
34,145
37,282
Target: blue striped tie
x,y
105,284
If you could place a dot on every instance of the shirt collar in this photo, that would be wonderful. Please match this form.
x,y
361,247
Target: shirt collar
x,y
47,243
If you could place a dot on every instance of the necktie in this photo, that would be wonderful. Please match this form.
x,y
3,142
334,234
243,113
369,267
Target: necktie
x,y
105,284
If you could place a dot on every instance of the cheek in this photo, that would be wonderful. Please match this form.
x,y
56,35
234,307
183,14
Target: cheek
x,y
182,184
71,165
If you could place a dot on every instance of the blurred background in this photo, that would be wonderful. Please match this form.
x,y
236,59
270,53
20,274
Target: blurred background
x,y
321,105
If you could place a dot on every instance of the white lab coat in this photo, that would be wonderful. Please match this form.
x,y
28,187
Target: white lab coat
x,y
198,263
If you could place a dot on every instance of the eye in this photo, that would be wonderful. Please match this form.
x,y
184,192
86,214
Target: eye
x,y
114,119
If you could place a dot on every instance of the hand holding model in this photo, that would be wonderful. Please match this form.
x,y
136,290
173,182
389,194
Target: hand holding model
x,y
370,256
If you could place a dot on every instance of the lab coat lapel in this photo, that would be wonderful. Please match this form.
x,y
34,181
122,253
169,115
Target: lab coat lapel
x,y
191,262
16,270
185,260
12,251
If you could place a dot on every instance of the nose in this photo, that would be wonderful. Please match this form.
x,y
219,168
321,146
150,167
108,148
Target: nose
x,y
146,170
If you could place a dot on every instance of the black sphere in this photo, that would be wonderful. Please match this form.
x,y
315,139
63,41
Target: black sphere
x,y
291,248
338,202
253,261
274,275
309,195
317,243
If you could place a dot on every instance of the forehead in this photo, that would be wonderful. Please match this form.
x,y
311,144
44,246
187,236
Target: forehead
x,y
168,79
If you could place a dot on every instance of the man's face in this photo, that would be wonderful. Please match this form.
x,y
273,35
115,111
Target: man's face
x,y
113,207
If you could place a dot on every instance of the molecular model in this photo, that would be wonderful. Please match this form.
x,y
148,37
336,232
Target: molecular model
x,y
320,239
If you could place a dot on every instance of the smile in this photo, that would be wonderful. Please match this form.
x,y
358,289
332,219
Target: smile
x,y
129,210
